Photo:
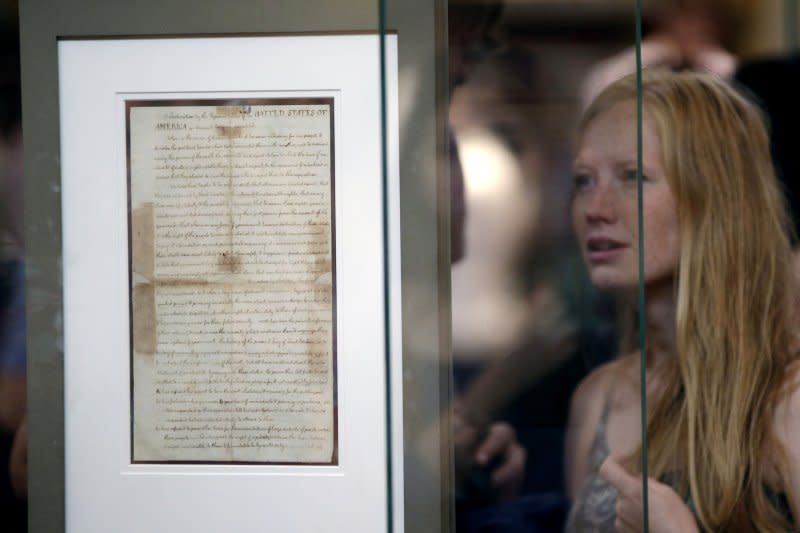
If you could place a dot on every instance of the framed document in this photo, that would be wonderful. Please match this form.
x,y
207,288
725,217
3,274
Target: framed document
x,y
232,280
224,289
114,445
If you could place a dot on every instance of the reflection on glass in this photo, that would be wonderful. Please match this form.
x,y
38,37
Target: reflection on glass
x,y
527,326
720,296
537,313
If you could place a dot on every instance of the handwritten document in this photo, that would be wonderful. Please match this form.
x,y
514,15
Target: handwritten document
x,y
232,281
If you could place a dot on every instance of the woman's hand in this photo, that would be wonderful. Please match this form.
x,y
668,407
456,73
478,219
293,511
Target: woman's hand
x,y
497,447
668,512
501,444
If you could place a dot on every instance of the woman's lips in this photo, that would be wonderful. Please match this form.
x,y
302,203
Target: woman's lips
x,y
603,249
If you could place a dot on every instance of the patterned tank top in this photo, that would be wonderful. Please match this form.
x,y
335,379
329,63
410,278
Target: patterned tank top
x,y
594,508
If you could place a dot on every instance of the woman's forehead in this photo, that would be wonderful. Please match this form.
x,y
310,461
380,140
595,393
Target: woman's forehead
x,y
616,120
614,130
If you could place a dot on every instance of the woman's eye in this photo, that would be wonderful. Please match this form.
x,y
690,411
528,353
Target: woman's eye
x,y
630,175
581,181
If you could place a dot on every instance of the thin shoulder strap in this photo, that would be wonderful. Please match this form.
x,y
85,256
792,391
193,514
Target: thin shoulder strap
x,y
600,448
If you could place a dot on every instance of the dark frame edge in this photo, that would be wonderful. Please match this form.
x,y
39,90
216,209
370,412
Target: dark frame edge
x,y
43,279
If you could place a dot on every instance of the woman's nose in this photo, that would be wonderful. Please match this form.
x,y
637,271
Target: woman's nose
x,y
601,205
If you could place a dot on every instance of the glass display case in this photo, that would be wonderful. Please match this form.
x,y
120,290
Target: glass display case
x,y
270,353
419,265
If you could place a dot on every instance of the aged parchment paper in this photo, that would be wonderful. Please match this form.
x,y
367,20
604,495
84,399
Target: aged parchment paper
x,y
232,281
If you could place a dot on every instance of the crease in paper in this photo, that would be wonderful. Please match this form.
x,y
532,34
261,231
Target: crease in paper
x,y
232,281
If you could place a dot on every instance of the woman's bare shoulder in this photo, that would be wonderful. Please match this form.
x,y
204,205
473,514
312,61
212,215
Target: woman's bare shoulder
x,y
598,382
586,408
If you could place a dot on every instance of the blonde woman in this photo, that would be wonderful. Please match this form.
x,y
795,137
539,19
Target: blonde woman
x,y
723,419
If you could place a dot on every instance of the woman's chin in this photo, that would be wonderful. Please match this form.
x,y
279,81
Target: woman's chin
x,y
615,284
605,277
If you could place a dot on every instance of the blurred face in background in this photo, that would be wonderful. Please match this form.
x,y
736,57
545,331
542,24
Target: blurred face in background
x,y
604,205
470,25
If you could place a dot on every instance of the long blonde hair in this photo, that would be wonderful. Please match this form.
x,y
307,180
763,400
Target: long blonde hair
x,y
710,429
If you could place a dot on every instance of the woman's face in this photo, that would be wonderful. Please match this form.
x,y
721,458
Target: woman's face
x,y
604,205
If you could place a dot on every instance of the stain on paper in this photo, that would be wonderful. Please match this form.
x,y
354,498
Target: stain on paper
x,y
229,263
229,132
228,110
322,264
142,240
144,318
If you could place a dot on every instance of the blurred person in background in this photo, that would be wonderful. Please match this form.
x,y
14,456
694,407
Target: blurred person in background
x,y
490,462
679,34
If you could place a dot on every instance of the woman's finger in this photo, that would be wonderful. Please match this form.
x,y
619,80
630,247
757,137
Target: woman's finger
x,y
500,436
625,483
